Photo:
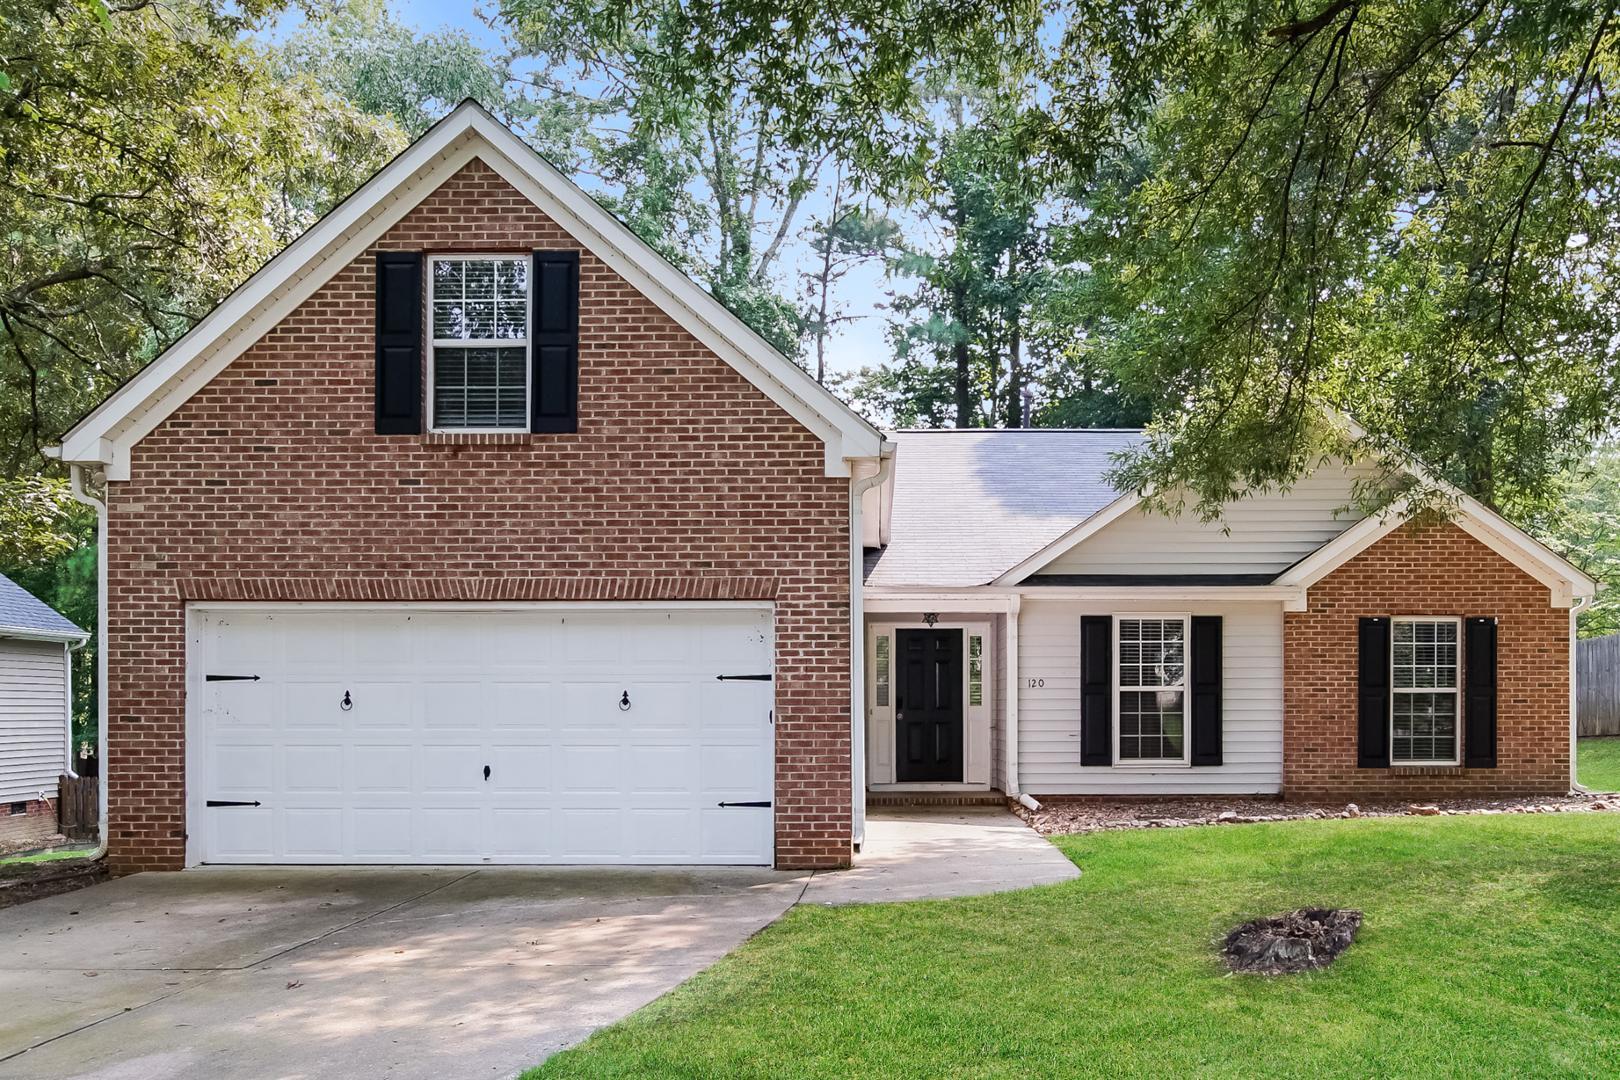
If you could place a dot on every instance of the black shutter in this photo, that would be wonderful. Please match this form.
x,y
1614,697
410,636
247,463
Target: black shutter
x,y
1479,702
1372,695
1205,685
399,343
1096,690
554,342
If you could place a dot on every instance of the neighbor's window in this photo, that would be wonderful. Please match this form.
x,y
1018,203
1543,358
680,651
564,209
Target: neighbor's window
x,y
1423,714
1152,691
479,371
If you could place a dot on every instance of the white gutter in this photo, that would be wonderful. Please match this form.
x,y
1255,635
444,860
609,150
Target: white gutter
x,y
79,493
25,634
1010,696
857,643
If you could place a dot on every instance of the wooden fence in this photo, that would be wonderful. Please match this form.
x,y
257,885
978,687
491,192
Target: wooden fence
x,y
1597,686
78,810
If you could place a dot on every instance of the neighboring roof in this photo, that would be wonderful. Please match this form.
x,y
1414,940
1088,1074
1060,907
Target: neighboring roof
x,y
1147,580
969,503
109,434
23,615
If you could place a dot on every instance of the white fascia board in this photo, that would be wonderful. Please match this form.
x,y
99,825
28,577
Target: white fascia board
x,y
63,637
996,598
1071,539
107,435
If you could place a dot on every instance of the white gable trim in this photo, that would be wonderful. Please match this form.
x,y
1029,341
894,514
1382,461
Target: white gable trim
x,y
109,434
1563,578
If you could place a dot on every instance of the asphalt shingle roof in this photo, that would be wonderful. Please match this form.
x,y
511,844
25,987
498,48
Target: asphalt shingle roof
x,y
971,504
21,610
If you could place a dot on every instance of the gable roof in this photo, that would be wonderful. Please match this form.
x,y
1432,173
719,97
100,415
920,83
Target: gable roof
x,y
994,506
109,434
24,615
969,503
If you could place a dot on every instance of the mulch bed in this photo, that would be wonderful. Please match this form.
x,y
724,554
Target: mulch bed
x,y
22,882
1302,940
1098,815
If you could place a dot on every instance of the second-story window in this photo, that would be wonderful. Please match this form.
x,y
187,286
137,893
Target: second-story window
x,y
478,367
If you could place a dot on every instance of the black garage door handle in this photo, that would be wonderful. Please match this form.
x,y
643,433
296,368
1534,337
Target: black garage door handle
x,y
744,804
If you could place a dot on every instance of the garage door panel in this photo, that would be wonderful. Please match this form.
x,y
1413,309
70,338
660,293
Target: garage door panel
x,y
244,768
381,832
451,832
520,768
589,769
383,770
245,833
435,696
452,705
522,707
312,832
452,768
733,832
313,768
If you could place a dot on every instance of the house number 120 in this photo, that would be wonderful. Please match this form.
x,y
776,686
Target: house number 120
x,y
1035,684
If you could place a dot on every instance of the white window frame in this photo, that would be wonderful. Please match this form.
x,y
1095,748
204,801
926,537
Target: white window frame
x,y
1185,761
482,343
1455,690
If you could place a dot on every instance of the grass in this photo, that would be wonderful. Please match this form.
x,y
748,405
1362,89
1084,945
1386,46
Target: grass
x,y
1489,948
1597,763
46,856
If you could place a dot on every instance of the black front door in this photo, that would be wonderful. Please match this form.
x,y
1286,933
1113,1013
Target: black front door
x,y
928,705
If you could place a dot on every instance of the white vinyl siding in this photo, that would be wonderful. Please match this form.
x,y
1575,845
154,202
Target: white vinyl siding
x,y
1263,535
1049,706
33,718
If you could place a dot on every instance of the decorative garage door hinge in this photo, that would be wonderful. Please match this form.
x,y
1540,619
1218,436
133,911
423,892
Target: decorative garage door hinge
x,y
230,678
227,802
765,803
743,678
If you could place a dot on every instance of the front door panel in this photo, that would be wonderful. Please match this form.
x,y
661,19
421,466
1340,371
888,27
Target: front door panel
x,y
928,706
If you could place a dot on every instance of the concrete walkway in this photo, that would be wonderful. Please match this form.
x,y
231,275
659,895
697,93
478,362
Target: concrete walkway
x,y
931,854
431,972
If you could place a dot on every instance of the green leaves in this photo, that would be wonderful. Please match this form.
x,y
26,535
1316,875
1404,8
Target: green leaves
x,y
152,160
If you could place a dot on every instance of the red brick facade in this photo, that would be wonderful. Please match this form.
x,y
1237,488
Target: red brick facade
x,y
1438,570
37,822
683,482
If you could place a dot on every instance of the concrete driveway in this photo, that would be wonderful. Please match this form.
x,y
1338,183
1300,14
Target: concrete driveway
x,y
444,972
309,972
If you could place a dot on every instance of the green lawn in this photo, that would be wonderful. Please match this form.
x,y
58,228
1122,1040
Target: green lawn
x,y
47,856
1597,763
1489,948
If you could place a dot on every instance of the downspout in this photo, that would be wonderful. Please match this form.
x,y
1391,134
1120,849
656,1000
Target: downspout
x,y
82,495
1574,701
857,645
1015,604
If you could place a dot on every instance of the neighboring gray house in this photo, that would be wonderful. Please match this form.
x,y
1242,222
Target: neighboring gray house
x,y
36,711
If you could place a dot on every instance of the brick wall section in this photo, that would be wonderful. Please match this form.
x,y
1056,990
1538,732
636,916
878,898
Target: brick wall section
x,y
36,823
683,482
1437,570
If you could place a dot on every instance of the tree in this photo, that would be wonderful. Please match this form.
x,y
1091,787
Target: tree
x,y
149,160
1402,211
847,237
1585,526
971,305
708,179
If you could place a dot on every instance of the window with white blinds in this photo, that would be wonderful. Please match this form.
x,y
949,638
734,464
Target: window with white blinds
x,y
479,371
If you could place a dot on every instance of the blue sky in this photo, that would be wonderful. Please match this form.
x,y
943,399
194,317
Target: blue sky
x,y
855,344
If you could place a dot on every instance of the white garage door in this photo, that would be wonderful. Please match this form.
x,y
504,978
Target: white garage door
x,y
536,735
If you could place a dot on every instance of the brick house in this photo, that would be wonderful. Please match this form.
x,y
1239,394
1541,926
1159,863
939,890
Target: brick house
x,y
468,530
